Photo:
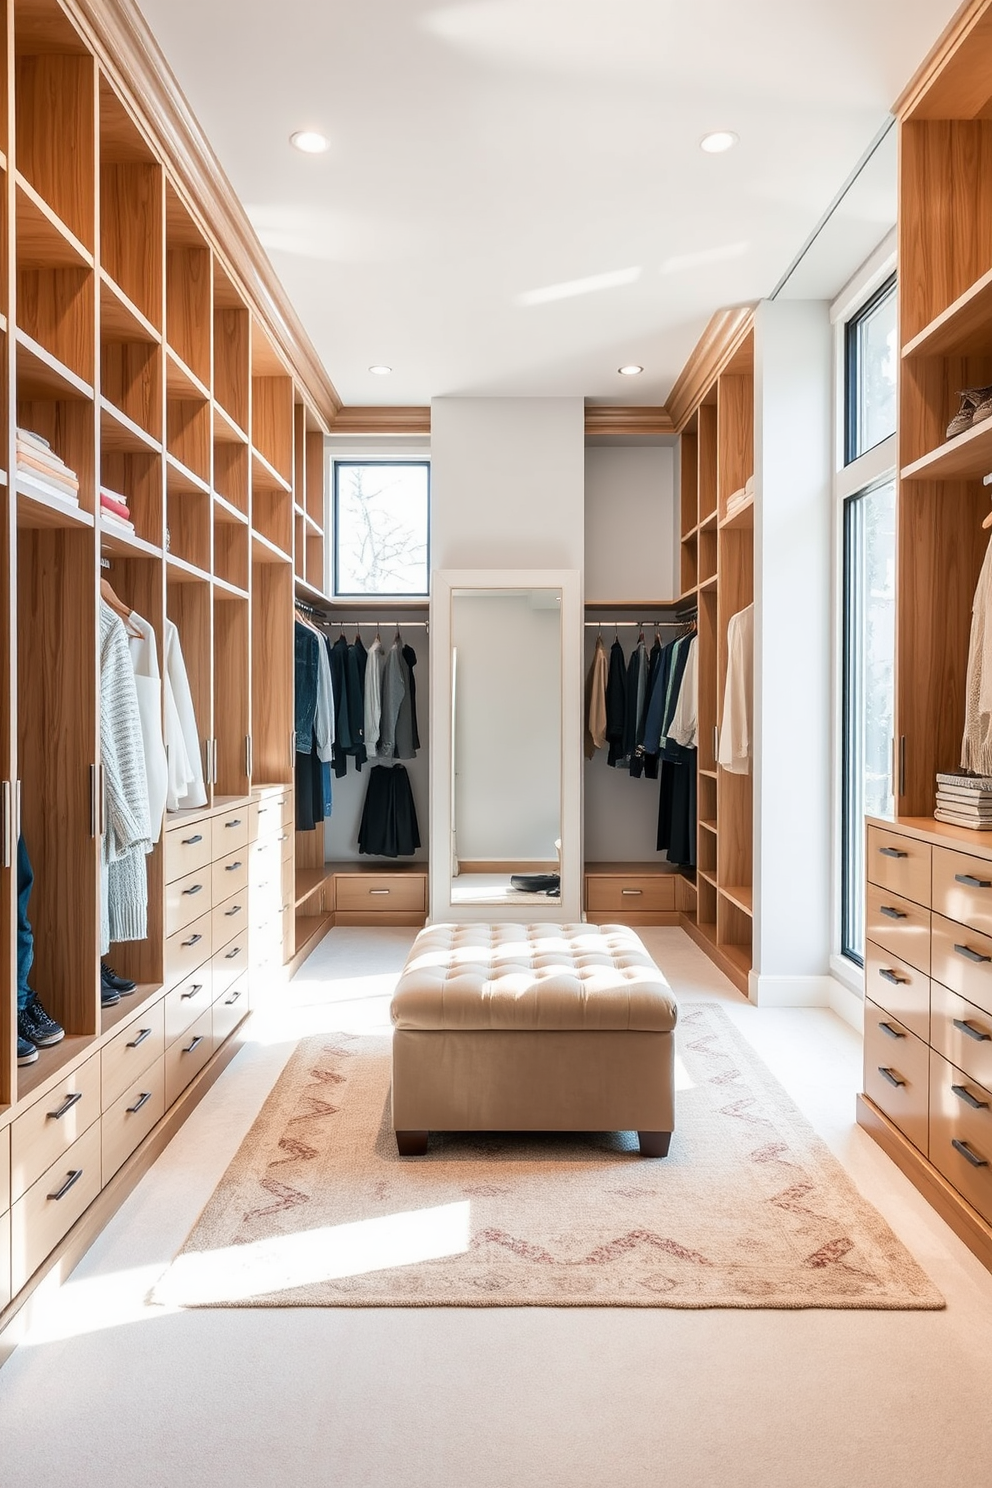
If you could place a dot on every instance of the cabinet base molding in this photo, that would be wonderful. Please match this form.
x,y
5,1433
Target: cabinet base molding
x,y
732,969
633,917
952,1208
59,1264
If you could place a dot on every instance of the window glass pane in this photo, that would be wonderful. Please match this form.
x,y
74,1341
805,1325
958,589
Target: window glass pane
x,y
871,373
869,695
381,513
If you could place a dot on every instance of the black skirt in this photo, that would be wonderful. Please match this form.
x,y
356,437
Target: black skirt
x,y
389,818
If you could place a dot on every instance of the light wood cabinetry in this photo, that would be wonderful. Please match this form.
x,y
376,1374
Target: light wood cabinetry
x,y
632,894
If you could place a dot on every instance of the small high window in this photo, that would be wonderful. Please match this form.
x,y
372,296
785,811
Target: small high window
x,y
870,374
381,528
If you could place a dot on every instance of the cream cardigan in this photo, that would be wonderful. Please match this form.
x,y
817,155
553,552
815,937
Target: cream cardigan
x,y
976,747
127,828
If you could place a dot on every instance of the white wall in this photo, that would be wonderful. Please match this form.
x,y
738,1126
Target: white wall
x,y
630,523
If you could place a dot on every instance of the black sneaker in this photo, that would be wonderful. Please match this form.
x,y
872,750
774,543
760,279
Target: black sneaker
x,y
26,1051
34,1024
114,983
109,996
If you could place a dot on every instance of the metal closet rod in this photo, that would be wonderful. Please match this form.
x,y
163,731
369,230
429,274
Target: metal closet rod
x,y
641,624
318,614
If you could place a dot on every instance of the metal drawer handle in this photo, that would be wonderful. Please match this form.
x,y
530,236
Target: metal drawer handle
x,y
978,1034
234,822
965,1151
891,976
893,852
196,987
971,955
378,891
71,1178
192,841
67,1105
235,909
972,881
232,867
231,954
195,1044
193,889
229,1000
144,1097
888,1075
892,913
632,891
963,1093
143,1033
193,940
892,1032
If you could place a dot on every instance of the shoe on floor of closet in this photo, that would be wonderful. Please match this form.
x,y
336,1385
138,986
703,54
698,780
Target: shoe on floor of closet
x,y
35,1025
115,983
27,1052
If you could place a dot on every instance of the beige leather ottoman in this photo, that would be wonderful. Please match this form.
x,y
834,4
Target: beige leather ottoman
x,y
532,1028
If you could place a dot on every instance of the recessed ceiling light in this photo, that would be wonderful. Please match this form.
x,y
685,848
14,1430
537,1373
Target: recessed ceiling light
x,y
719,141
309,141
630,371
381,371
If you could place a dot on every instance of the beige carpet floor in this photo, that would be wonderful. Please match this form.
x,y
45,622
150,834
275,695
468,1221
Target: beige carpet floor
x,y
749,1210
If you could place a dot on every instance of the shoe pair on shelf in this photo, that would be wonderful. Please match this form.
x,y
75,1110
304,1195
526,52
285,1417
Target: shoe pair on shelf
x,y
35,1030
113,987
976,407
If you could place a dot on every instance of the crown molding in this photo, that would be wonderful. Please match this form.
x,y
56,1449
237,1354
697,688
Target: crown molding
x,y
713,353
946,86
611,419
371,420
131,58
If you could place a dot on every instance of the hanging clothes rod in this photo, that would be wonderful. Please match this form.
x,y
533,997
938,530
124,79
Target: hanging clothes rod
x,y
367,622
640,624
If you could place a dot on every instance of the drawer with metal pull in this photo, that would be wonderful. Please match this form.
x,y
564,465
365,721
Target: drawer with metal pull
x,y
607,894
187,1056
129,1120
897,1073
132,1049
961,1032
899,863
229,875
187,949
187,849
229,1009
962,960
52,1124
269,814
229,832
899,926
228,964
186,899
962,889
381,892
898,988
52,1204
230,919
961,1132
186,1001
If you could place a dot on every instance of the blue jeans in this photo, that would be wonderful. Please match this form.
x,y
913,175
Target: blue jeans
x,y
25,937
305,679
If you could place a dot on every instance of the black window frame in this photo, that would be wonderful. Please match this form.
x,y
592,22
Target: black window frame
x,y
851,365
349,461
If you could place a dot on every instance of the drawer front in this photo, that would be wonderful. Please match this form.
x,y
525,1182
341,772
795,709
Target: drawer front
x,y
270,814
187,849
187,949
4,1170
229,919
229,832
130,1119
899,926
131,1051
380,892
5,1291
643,892
962,889
961,1032
900,864
897,1073
49,1127
184,1004
962,960
52,1205
230,875
229,964
898,988
264,860
187,1056
187,899
229,1010
961,1133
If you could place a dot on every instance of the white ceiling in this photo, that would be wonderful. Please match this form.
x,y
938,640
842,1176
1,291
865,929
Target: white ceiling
x,y
514,201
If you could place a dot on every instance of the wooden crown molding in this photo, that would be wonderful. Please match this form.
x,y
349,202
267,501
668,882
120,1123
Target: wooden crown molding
x,y
946,86
610,419
130,56
712,354
370,420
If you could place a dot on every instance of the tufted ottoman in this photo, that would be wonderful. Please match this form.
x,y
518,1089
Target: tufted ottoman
x,y
532,1028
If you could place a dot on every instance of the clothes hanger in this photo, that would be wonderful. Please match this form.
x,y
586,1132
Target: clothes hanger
x,y
119,608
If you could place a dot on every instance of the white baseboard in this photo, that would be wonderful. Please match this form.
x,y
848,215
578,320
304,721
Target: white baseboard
x,y
847,1005
807,991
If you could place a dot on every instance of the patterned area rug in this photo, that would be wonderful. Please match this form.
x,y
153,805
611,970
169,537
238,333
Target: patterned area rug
x,y
750,1209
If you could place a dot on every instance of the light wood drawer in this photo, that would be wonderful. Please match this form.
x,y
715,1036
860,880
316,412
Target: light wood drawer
x,y
896,1073
899,926
898,988
186,899
187,849
184,1004
4,1170
187,949
270,814
643,892
187,1056
131,1051
962,889
961,1032
230,919
229,1010
229,832
380,892
230,875
5,1291
962,960
900,864
961,1133
52,1205
229,964
131,1118
289,812
49,1127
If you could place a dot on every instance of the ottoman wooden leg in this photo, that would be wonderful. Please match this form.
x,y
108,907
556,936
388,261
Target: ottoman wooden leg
x,y
414,1143
653,1144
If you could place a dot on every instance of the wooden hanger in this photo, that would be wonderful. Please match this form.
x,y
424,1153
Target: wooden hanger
x,y
119,608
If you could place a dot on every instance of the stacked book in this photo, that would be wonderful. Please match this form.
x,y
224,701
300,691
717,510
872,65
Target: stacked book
x,y
114,511
40,471
965,801
741,498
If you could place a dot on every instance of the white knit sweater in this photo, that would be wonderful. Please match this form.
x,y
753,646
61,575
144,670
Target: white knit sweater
x,y
127,828
976,747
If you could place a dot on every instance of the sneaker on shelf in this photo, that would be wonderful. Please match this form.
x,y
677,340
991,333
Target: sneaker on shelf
x,y
114,983
109,996
27,1053
34,1024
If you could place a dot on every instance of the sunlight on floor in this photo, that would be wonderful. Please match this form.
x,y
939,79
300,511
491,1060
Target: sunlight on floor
x,y
95,1303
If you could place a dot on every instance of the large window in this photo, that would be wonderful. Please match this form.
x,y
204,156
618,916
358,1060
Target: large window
x,y
381,528
870,373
